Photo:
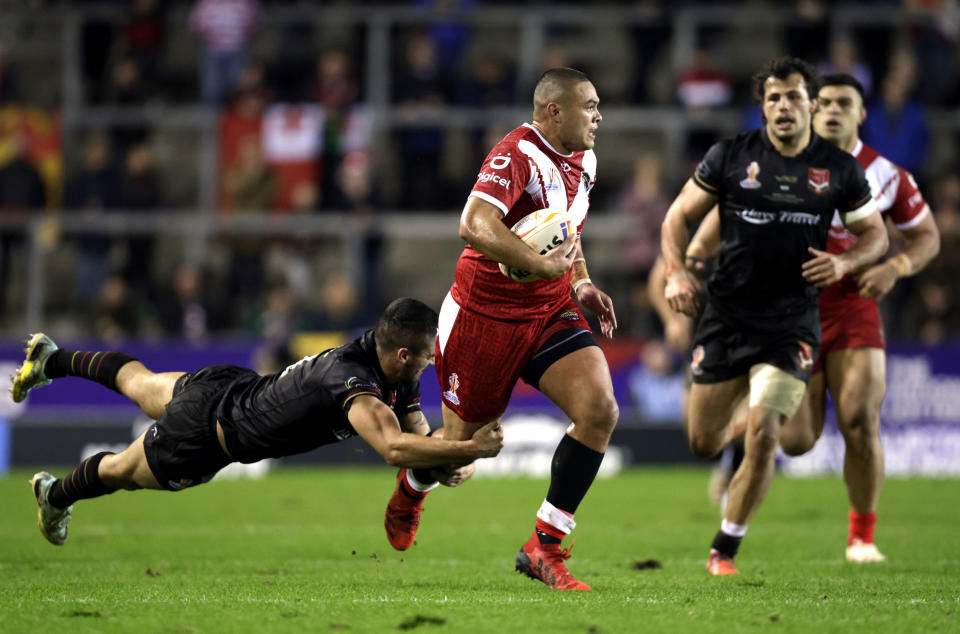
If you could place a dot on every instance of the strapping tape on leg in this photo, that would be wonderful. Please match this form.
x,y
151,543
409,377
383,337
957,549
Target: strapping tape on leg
x,y
556,518
773,388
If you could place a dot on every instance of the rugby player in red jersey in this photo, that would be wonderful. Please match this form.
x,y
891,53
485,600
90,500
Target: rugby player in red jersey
x,y
852,359
494,331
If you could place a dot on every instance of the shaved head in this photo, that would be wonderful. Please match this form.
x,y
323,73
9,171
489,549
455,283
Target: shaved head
x,y
565,110
555,86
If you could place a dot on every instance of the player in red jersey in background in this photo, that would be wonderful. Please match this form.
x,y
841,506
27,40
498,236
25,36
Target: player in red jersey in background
x,y
852,358
494,331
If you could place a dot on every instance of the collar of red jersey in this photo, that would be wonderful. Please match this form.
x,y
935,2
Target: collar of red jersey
x,y
547,143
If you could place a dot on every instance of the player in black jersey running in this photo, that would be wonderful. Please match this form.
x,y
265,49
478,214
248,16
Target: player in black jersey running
x,y
222,414
777,189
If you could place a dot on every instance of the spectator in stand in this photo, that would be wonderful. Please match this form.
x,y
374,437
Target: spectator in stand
x,y
341,308
934,42
645,204
702,84
128,88
143,37
126,84
251,95
844,59
896,127
280,316
335,88
140,190
657,385
491,83
362,200
421,81
931,313
449,35
91,191
806,35
225,26
649,39
252,188
184,310
116,317
250,183
291,258
22,194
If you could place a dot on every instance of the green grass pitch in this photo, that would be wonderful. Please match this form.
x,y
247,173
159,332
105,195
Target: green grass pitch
x,y
304,551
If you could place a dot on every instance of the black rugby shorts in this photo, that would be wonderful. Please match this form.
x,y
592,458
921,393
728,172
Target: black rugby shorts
x,y
181,447
722,351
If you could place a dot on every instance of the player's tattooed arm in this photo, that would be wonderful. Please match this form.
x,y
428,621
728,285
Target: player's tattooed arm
x,y
378,425
415,423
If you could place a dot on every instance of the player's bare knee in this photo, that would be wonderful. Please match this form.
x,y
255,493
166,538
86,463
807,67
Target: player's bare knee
x,y
764,435
705,445
599,413
119,470
860,428
131,379
797,443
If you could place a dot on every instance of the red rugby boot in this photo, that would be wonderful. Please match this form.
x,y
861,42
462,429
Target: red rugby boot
x,y
719,564
403,514
544,562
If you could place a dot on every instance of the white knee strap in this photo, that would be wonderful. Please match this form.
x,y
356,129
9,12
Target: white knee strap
x,y
773,388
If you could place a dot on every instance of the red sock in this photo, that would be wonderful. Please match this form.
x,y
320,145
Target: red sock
x,y
861,526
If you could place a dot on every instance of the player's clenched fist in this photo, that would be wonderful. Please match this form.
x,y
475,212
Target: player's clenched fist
x,y
681,293
489,439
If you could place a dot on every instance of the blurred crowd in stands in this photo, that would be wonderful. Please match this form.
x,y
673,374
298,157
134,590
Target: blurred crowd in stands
x,y
296,137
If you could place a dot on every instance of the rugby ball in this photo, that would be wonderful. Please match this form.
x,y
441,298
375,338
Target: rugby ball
x,y
542,231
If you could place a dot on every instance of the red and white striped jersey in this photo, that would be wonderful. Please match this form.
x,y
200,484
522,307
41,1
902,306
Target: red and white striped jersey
x,y
897,196
520,175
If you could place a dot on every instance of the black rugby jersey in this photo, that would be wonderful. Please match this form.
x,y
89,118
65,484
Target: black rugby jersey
x,y
305,405
772,207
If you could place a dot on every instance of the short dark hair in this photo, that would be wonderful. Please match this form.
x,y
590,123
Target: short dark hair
x,y
783,67
405,323
563,74
555,82
843,79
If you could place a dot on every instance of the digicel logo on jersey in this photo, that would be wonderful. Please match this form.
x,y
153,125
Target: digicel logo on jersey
x,y
490,177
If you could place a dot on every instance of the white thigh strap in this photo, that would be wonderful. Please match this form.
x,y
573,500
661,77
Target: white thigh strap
x,y
772,387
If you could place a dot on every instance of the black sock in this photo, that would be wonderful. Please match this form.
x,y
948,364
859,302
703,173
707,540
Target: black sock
x,y
546,538
572,472
101,367
726,544
82,483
